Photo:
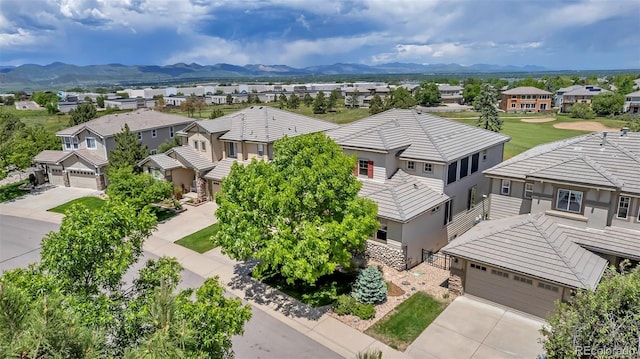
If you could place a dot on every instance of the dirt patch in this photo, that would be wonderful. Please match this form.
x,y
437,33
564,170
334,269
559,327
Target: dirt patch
x,y
394,290
584,126
538,120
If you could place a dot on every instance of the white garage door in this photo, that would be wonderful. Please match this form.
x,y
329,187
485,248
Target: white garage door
x,y
55,177
82,179
512,290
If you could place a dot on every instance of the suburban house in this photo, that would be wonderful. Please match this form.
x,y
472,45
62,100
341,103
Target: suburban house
x,y
567,97
83,160
525,99
450,93
425,174
210,147
632,103
559,214
130,103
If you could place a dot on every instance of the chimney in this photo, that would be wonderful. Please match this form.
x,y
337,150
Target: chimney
x,y
624,131
604,138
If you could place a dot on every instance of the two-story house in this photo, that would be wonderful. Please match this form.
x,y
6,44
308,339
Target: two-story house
x,y
559,214
210,147
632,103
525,99
83,159
425,174
450,93
567,97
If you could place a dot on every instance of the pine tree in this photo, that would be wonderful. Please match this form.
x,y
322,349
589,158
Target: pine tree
x,y
82,113
128,151
320,103
370,287
308,100
376,105
485,103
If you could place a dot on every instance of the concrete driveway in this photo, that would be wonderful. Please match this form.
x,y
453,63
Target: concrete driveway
x,y
471,328
36,204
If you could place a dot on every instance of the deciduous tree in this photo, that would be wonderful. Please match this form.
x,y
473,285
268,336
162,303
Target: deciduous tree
x,y
485,103
128,151
399,98
428,94
137,189
581,110
607,103
300,214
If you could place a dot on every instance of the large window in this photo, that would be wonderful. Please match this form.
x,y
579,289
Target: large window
x,y
464,167
232,150
505,187
452,172
528,190
569,200
91,143
623,207
474,162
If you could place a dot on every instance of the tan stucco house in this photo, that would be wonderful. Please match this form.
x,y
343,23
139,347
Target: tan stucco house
x,y
559,214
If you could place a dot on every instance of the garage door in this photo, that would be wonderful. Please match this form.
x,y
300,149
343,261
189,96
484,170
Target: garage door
x,y
55,177
82,179
515,291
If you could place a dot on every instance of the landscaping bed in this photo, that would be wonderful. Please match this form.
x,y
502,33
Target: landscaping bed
x,y
200,241
12,191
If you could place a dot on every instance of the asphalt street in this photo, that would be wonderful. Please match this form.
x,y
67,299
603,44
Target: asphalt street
x,y
265,337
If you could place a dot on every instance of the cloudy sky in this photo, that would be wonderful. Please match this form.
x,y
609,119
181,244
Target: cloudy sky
x,y
585,34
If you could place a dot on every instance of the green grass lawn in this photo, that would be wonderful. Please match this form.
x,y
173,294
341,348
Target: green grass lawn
x,y
200,241
404,324
51,123
324,292
90,202
163,213
11,191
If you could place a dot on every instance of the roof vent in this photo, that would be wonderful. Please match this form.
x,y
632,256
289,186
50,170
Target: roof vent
x,y
624,131
415,185
604,138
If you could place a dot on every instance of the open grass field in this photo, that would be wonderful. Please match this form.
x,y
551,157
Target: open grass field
x,y
200,241
404,324
51,123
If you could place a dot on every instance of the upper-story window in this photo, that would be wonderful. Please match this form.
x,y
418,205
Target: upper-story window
x,y
260,149
203,146
154,133
475,158
70,143
464,167
623,207
154,151
195,144
139,136
232,150
505,187
428,167
484,155
528,190
171,132
411,165
381,234
91,143
569,200
452,172
363,168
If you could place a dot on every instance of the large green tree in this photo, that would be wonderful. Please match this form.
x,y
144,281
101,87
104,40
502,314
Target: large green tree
x,y
82,113
603,321
128,151
485,103
399,98
428,94
293,102
581,110
333,99
300,214
137,189
376,105
307,100
320,103
607,103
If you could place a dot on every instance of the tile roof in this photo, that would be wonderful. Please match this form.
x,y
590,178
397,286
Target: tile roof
x,y
55,157
446,87
509,243
567,89
614,240
222,169
422,136
163,161
191,158
49,156
402,197
592,159
526,90
139,120
583,91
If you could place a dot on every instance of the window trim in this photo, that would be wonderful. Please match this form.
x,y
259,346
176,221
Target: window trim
x,y
363,165
154,133
203,146
95,143
195,145
620,198
411,165
233,151
139,136
508,187
570,192
430,170
383,229
524,195
464,170
71,141
452,177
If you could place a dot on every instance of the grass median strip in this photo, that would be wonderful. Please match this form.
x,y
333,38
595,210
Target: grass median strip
x,y
200,241
404,324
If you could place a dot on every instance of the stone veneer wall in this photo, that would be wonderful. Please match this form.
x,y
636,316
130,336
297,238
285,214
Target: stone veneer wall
x,y
456,284
201,189
393,257
65,178
100,182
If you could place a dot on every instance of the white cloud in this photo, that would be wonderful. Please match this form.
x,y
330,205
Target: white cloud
x,y
19,38
303,22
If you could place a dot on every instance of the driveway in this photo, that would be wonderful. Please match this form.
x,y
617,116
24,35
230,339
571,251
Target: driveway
x,y
36,204
471,328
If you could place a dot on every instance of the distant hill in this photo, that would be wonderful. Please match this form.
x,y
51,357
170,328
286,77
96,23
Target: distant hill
x,y
57,74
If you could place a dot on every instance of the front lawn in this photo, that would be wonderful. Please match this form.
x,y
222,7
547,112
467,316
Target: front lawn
x,y
12,191
89,202
200,241
404,324
324,292
163,213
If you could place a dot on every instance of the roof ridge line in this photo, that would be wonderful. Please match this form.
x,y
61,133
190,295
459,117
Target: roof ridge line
x,y
429,136
397,201
623,149
370,130
602,171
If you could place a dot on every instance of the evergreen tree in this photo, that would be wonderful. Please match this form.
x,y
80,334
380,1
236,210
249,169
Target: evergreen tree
x,y
294,101
485,103
282,101
128,151
320,104
376,105
215,113
308,100
82,113
370,287
333,100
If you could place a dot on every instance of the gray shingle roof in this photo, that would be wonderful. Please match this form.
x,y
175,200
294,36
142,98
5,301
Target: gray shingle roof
x,y
422,136
402,197
89,156
191,158
222,169
163,161
583,91
264,124
49,156
139,120
618,241
526,90
509,243
589,160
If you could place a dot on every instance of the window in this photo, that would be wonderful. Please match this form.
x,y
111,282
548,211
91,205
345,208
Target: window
x,y
474,162
471,203
153,152
154,133
91,143
435,209
522,280
452,172
568,200
195,144
411,165
171,132
513,105
139,136
484,155
464,167
543,106
528,190
70,143
448,215
478,267
500,273
623,207
381,234
505,187
548,287
203,146
232,150
260,149
363,167
428,167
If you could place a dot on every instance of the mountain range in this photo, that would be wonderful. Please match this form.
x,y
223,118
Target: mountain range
x,y
59,74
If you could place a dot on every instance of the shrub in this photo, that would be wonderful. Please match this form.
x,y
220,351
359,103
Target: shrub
x,y
370,287
177,193
370,354
365,311
345,305
582,110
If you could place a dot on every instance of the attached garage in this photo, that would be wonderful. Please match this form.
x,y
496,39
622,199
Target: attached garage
x,y
55,176
82,179
519,292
